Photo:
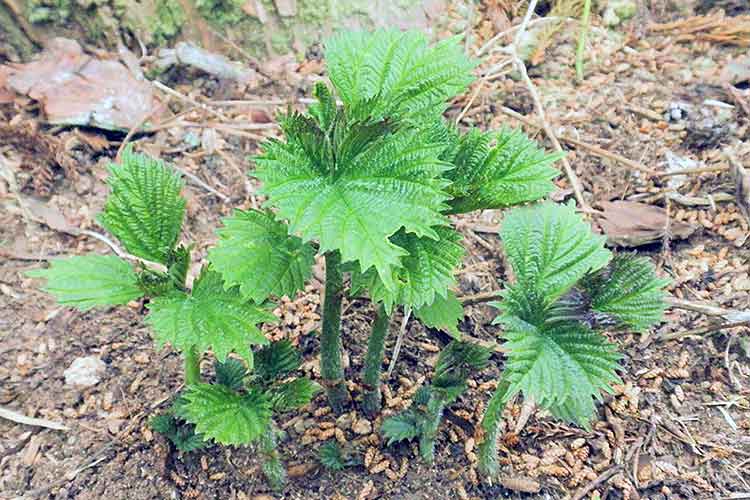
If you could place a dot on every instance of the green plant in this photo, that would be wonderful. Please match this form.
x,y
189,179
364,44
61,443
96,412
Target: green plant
x,y
568,288
333,458
422,419
145,211
368,177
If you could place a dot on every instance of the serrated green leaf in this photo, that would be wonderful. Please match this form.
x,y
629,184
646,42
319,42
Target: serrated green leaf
x,y
400,427
226,416
209,318
563,367
397,73
497,169
144,210
276,360
357,201
331,457
426,272
256,253
444,314
231,373
627,290
550,248
293,394
90,280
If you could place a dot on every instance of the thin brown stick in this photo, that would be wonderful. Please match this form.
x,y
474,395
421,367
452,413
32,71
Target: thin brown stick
x,y
595,150
705,330
19,418
521,68
603,477
699,170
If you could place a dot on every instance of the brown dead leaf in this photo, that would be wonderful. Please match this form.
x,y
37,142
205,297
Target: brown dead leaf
x,y
77,89
522,484
632,224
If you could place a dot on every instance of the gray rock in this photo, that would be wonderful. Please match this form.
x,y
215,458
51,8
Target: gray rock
x,y
85,372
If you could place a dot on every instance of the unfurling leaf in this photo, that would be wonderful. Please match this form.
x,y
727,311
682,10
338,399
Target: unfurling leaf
x,y
231,373
91,280
276,360
144,210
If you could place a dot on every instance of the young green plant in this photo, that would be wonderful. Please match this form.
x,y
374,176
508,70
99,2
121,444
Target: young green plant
x,y
368,178
568,289
145,212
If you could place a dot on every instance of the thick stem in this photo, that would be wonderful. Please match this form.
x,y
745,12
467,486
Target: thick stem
x,y
374,362
429,431
271,465
330,337
192,367
493,416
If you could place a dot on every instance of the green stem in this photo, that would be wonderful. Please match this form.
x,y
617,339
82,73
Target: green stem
x,y
192,367
582,39
493,416
374,362
434,414
330,337
271,463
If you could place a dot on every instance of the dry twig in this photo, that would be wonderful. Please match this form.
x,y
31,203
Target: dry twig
x,y
36,422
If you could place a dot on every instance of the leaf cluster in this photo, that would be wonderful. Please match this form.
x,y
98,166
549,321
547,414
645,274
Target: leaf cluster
x,y
421,420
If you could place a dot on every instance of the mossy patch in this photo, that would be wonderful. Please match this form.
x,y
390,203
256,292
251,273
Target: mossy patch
x,y
221,11
168,21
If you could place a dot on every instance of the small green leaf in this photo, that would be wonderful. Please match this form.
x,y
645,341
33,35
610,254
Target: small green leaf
x,y
294,394
550,248
256,252
90,280
231,373
444,314
276,360
627,290
226,416
331,456
396,72
563,367
400,427
144,210
209,318
497,169
426,272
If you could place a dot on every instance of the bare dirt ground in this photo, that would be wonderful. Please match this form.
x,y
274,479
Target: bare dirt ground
x,y
679,426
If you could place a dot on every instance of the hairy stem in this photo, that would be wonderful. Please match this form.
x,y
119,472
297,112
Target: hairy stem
x,y
374,362
330,337
192,367
272,466
434,414
491,425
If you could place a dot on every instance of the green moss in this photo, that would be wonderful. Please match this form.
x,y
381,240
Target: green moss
x,y
221,11
49,11
169,19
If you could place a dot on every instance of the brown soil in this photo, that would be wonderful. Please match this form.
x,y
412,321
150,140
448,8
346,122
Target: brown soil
x,y
678,427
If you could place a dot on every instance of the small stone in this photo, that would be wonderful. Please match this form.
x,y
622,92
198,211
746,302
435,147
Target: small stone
x,y
362,427
85,372
344,422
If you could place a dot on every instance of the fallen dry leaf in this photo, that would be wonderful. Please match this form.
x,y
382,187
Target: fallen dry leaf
x,y
632,224
742,187
77,89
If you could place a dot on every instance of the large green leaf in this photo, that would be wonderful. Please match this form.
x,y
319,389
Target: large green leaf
x,y
144,210
256,252
355,200
90,280
396,73
209,318
226,416
563,367
497,169
550,248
